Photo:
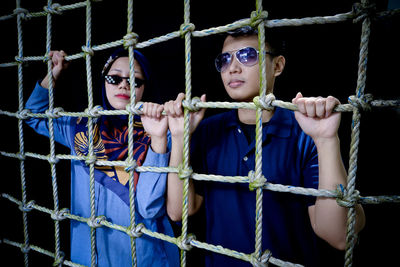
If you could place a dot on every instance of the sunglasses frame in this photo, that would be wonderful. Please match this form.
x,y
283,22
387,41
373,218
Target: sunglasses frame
x,y
234,52
111,79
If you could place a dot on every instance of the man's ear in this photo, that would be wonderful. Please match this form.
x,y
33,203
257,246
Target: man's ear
x,y
279,65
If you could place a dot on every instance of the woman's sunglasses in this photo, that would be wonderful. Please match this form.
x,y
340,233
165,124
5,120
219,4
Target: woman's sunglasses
x,y
115,80
247,56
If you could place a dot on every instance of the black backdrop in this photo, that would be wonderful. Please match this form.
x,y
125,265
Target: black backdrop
x,y
321,60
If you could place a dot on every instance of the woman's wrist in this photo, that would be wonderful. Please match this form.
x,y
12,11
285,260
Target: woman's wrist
x,y
159,144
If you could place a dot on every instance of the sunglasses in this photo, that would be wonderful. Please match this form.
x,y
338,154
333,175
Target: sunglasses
x,y
115,80
248,56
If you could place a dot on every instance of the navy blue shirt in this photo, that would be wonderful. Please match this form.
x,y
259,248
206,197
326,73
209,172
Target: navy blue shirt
x,y
289,157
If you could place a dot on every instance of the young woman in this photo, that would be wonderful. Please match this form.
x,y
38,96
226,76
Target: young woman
x,y
110,135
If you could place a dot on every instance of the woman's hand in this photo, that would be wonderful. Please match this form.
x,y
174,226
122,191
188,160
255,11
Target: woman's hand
x,y
156,125
59,64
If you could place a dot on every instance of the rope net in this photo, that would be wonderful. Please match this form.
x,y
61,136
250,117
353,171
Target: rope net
x,y
347,197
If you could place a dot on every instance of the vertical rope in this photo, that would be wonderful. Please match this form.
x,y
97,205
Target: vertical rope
x,y
355,136
258,146
52,159
91,155
188,95
21,135
130,134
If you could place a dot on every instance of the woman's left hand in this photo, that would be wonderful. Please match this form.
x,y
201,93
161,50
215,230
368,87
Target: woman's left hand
x,y
156,125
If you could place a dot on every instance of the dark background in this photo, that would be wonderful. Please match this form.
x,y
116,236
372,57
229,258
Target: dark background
x,y
321,60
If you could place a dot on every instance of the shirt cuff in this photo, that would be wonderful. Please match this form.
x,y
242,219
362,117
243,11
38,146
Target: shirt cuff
x,y
156,159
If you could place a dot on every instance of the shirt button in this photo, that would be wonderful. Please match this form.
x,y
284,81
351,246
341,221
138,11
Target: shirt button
x,y
240,131
245,158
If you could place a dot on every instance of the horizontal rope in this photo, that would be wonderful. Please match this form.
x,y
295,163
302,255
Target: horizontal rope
x,y
206,32
40,250
196,105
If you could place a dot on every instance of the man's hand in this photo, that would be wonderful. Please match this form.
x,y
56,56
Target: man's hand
x,y
316,116
174,112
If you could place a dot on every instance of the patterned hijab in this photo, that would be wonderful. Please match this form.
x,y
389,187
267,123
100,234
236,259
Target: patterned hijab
x,y
110,133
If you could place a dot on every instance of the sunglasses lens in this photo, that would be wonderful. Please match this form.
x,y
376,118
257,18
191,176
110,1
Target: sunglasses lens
x,y
138,82
115,79
222,61
247,56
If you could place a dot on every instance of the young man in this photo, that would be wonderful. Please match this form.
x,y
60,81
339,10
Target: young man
x,y
299,149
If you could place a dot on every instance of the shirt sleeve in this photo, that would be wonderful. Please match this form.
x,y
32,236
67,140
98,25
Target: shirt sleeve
x,y
310,167
38,102
151,187
196,160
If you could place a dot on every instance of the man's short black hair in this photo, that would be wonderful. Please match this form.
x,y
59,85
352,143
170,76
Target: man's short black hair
x,y
273,38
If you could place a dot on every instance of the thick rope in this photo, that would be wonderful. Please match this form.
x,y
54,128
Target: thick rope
x,y
130,40
20,16
186,32
355,136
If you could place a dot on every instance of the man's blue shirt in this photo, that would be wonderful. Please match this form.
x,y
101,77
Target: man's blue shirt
x,y
289,157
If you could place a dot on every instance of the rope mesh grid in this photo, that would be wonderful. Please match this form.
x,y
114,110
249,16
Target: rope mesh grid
x,y
346,197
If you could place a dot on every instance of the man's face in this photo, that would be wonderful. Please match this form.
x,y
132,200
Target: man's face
x,y
242,83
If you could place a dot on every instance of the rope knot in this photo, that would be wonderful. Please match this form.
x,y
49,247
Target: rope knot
x,y
59,215
20,156
25,248
23,114
136,109
130,39
90,159
184,173
185,28
53,113
52,159
87,50
362,102
254,182
131,165
266,256
185,244
27,207
361,11
257,17
21,11
59,260
19,60
94,112
343,198
95,222
53,9
264,103
191,104
136,231
263,261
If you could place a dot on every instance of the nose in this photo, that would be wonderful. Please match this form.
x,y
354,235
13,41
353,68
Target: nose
x,y
124,84
235,66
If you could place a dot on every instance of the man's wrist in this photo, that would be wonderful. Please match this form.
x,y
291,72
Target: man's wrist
x,y
327,142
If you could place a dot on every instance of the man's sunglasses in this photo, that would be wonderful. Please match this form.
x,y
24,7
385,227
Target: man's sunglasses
x,y
247,56
115,80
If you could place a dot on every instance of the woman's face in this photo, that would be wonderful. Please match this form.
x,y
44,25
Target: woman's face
x,y
119,95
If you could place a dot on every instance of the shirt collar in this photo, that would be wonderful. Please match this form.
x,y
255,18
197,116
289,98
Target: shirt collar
x,y
280,124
